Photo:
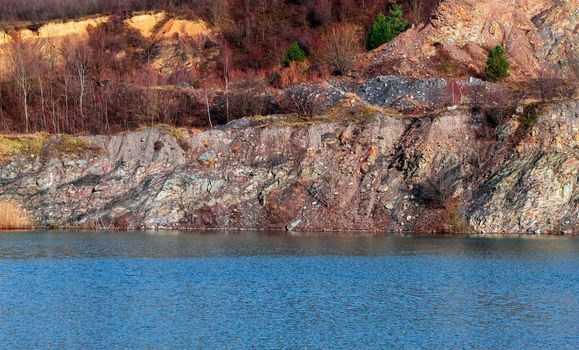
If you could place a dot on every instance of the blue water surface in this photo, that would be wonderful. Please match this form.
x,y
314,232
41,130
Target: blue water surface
x,y
63,290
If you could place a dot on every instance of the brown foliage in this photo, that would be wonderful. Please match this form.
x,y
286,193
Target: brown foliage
x,y
339,46
12,217
301,102
106,84
419,11
294,74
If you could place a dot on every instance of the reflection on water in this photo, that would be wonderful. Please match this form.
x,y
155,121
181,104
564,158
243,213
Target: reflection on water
x,y
253,290
63,245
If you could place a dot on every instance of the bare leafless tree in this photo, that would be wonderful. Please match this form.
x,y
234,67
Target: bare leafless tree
x,y
547,83
416,11
78,58
225,59
21,63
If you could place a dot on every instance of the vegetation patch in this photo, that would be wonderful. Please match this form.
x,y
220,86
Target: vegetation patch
x,y
352,109
497,66
12,217
300,123
21,145
366,114
70,145
529,115
178,134
260,118
454,223
386,28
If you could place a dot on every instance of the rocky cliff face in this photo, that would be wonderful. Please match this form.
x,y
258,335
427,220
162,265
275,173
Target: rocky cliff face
x,y
538,36
355,168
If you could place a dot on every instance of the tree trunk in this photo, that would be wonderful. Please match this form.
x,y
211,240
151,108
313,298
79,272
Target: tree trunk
x,y
26,118
208,109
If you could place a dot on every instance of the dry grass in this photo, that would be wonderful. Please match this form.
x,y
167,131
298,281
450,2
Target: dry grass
x,y
261,118
12,217
11,145
70,145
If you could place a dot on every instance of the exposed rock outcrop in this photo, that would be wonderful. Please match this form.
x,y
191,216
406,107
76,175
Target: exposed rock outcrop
x,y
360,170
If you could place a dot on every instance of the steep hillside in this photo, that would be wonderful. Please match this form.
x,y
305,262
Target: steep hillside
x,y
110,74
158,27
536,35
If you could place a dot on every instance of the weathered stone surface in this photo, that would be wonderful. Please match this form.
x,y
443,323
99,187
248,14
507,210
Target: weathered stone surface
x,y
410,94
433,174
404,93
536,190
560,38
537,35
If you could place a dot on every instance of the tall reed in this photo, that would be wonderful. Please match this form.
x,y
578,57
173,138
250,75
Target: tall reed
x,y
12,217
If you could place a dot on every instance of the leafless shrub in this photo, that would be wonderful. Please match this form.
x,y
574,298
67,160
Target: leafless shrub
x,y
490,99
546,84
340,44
421,10
245,98
416,11
301,102
550,85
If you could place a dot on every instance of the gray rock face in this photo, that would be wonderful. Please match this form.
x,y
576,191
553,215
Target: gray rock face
x,y
445,173
404,93
557,27
407,94
538,182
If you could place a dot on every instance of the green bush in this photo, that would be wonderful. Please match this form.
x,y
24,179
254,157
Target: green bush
x,y
293,53
385,28
497,64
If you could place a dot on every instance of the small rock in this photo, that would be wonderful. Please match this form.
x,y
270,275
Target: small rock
x,y
207,157
292,225
345,136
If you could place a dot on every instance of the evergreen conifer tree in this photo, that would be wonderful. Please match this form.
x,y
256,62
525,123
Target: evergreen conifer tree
x,y
385,28
497,64
293,53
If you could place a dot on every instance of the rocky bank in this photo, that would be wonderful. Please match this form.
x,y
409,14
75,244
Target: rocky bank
x,y
355,167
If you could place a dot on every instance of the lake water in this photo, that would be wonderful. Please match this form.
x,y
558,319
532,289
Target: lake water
x,y
252,290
